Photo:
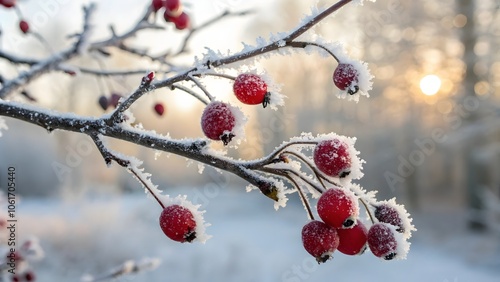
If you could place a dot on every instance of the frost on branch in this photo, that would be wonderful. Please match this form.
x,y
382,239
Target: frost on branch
x,y
3,126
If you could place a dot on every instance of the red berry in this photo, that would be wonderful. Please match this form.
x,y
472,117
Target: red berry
x,y
345,77
172,6
177,222
218,122
319,240
338,208
181,22
8,3
114,100
332,158
388,214
353,240
159,109
24,26
382,241
30,276
251,89
103,102
15,278
157,4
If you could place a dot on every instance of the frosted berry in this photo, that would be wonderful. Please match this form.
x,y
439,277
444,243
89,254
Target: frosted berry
x,y
382,241
159,109
103,102
319,240
332,158
345,77
251,89
353,240
157,4
177,222
218,122
8,3
114,100
172,6
388,214
24,26
338,208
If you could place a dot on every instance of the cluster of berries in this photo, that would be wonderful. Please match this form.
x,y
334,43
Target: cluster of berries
x,y
219,119
342,230
338,208
173,13
23,25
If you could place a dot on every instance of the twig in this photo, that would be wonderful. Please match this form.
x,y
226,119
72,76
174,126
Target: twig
x,y
210,97
190,92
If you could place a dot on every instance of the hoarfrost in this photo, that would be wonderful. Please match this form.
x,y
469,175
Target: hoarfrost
x,y
3,125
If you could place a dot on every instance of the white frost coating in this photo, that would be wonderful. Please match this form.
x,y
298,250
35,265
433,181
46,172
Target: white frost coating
x,y
364,81
3,125
282,191
406,220
402,245
239,123
251,187
201,168
201,225
367,196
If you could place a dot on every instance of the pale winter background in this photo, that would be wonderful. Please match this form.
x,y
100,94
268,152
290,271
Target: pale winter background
x,y
430,135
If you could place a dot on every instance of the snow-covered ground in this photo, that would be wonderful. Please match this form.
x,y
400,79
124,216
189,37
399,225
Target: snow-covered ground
x,y
251,242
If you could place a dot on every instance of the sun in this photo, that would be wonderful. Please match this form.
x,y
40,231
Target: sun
x,y
430,84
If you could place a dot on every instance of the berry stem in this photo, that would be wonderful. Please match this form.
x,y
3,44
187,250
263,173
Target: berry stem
x,y
303,44
145,184
310,165
271,157
302,197
110,156
367,210
198,83
189,91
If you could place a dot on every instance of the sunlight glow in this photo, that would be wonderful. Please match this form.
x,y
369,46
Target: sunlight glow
x,y
430,84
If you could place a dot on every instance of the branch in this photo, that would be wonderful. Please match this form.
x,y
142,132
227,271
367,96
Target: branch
x,y
194,149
